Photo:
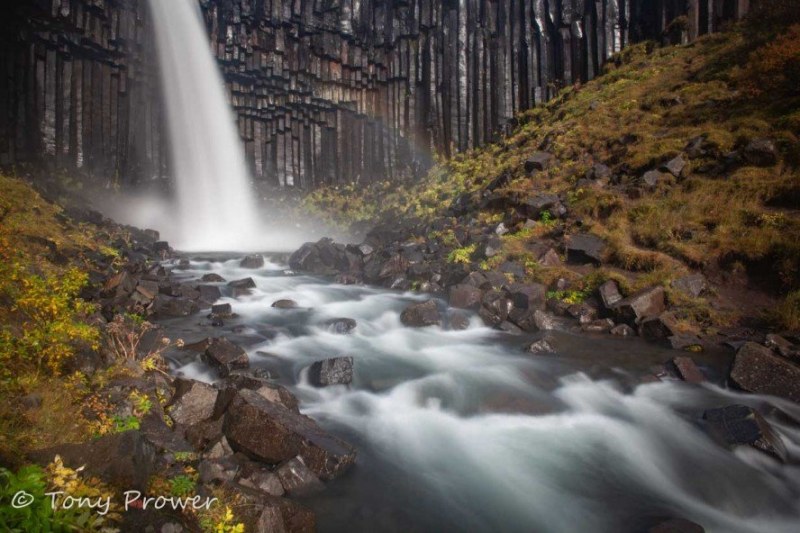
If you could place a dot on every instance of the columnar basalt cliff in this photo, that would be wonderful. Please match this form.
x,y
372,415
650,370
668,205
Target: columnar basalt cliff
x,y
325,90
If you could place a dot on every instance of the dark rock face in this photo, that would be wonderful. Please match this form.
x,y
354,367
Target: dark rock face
x,y
742,425
585,248
336,371
757,369
386,76
274,434
125,459
421,315
225,356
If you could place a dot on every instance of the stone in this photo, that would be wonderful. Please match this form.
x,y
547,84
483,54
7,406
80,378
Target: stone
x,y
643,304
538,161
623,330
222,310
652,178
585,248
495,307
464,296
738,425
686,342
676,525
167,306
756,369
297,479
493,247
687,369
252,261
761,153
545,322
781,346
541,347
458,321
192,402
222,470
340,326
148,289
335,371
550,258
246,283
602,325
261,512
692,285
538,204
421,315
209,293
218,449
262,479
212,278
224,356
675,166
124,459
598,171
659,328
264,387
528,296
271,433
510,328
284,304
609,293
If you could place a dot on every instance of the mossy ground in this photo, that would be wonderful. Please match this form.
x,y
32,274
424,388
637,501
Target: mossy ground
x,y
645,108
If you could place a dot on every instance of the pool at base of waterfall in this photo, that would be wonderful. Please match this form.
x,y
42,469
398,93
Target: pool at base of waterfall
x,y
466,431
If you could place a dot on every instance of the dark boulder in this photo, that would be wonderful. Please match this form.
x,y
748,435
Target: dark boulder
x,y
168,306
209,294
643,304
222,310
738,425
761,153
192,402
782,346
335,371
225,356
756,369
212,278
464,296
246,283
541,347
340,326
659,328
263,479
284,304
623,330
609,293
495,307
528,296
297,479
124,459
458,321
688,370
421,315
271,433
267,389
534,207
585,248
252,261
260,512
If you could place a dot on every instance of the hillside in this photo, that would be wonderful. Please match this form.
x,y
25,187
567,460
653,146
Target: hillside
x,y
680,159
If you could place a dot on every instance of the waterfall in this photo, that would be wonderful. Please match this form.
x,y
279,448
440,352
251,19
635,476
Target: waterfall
x,y
215,206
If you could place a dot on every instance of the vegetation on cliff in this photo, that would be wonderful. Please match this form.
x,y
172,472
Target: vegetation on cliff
x,y
681,158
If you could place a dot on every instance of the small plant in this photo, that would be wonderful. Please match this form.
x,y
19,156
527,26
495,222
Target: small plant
x,y
546,219
124,423
570,297
141,403
182,486
462,255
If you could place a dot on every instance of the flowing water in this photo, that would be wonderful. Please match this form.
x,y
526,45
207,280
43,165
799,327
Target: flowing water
x,y
215,206
462,431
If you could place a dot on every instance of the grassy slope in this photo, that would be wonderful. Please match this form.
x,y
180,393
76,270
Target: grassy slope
x,y
740,227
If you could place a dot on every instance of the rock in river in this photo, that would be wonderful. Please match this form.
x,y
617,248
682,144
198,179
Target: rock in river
x,y
336,371
421,315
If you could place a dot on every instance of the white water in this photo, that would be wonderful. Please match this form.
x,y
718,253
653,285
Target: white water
x,y
215,208
460,431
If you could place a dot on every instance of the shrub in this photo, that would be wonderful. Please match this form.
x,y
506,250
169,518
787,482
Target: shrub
x,y
774,68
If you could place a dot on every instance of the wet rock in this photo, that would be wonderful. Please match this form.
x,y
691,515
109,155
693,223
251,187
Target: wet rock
x,y
528,296
335,371
192,402
635,308
221,470
340,326
246,283
756,369
464,296
421,315
659,328
124,459
167,306
609,293
585,248
603,325
510,328
212,278
623,330
274,434
539,161
686,342
262,479
458,321
284,304
261,385
545,322
781,346
222,310
225,356
761,153
692,285
495,307
738,425
297,479
209,293
687,370
675,166
208,432
252,261
676,525
541,347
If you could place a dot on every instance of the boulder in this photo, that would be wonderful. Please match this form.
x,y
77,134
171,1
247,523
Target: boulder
x,y
538,161
264,387
212,278
458,321
686,342
623,330
585,248
495,307
297,479
528,296
602,325
340,326
675,166
761,153
192,402
464,296
225,356
756,369
209,293
534,207
168,306
242,284
335,371
738,425
252,261
550,258
692,285
643,304
659,328
541,347
609,293
687,370
271,433
284,304
652,178
421,315
781,346
222,310
260,512
124,459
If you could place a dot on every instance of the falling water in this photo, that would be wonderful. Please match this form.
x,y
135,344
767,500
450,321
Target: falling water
x,y
215,206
